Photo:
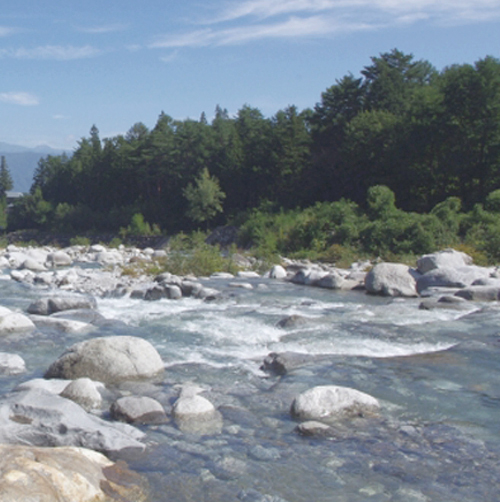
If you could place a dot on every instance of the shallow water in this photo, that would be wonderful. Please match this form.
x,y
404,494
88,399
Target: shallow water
x,y
436,374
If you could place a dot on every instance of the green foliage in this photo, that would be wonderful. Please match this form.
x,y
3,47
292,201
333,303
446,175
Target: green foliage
x,y
204,197
139,227
6,182
80,241
190,254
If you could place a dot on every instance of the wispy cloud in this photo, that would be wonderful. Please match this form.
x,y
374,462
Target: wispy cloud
x,y
55,52
6,31
293,27
19,98
251,20
102,29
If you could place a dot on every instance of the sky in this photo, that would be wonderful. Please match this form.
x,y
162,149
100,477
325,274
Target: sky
x,y
67,65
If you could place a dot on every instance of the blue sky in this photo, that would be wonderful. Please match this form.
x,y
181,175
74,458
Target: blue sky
x,y
68,64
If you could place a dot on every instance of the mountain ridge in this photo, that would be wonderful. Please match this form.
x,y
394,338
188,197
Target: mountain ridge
x,y
22,162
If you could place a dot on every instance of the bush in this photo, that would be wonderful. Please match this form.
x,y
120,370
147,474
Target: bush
x,y
139,227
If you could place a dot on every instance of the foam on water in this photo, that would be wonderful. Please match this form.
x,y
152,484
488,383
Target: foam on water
x,y
236,331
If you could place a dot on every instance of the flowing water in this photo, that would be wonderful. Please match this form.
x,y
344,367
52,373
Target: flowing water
x,y
436,374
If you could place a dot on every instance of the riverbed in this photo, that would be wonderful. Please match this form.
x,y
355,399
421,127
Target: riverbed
x,y
436,374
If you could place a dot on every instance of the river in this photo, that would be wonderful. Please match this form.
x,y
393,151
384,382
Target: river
x,y
436,374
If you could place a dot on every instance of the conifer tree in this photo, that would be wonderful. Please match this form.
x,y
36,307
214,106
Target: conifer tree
x,y
6,182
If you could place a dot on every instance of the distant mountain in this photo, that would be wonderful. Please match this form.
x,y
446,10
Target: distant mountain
x,y
23,161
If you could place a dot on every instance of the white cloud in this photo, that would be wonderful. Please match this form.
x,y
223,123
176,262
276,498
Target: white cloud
x,y
251,20
56,52
19,98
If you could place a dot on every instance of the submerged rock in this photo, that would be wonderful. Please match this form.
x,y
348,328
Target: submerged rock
x,y
66,474
110,359
292,321
195,414
284,362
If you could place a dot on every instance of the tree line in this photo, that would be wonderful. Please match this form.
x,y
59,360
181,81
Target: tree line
x,y
425,134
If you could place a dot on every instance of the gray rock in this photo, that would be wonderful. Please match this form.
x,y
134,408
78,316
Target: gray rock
x,y
308,276
195,414
135,409
14,322
450,277
331,281
313,428
190,288
110,359
47,306
59,259
329,402
432,303
59,324
33,265
283,363
447,258
84,392
11,364
155,293
173,292
292,321
391,279
39,418
277,272
480,293
89,316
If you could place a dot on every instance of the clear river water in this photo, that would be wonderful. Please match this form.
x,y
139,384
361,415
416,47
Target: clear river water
x,y
436,374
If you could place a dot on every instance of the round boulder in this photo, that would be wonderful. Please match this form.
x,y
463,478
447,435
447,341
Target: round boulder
x,y
110,359
391,279
327,403
83,391
14,322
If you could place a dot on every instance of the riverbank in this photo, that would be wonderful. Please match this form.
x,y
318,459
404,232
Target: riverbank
x,y
235,362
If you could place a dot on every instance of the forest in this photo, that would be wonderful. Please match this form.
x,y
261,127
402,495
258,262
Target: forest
x,y
399,158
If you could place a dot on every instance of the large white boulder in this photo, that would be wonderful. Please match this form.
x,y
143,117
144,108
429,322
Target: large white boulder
x,y
110,359
66,474
452,277
391,279
447,258
326,403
